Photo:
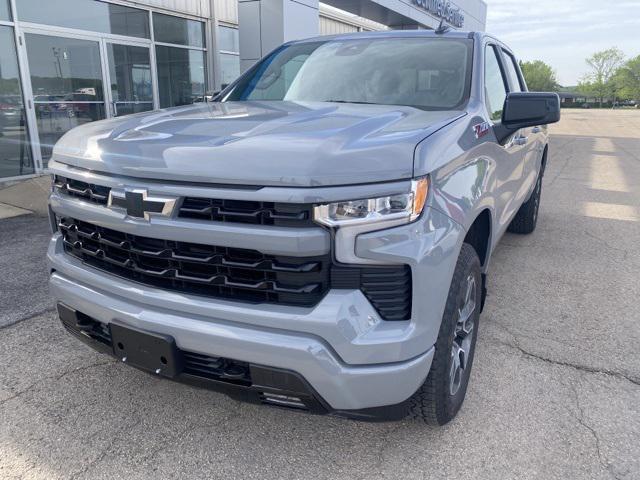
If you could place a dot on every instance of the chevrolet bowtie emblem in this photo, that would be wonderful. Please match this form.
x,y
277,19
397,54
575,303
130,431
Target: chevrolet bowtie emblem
x,y
139,204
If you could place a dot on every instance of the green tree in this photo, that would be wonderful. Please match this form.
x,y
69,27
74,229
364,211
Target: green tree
x,y
539,76
627,79
599,82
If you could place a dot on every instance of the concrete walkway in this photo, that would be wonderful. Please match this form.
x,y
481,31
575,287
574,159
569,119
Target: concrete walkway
x,y
555,392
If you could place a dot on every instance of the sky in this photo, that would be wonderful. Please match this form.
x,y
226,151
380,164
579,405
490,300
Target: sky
x,y
563,33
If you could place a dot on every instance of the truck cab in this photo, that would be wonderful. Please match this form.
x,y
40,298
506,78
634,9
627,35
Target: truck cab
x,y
319,236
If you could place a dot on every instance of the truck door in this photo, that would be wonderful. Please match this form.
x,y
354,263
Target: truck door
x,y
510,157
530,138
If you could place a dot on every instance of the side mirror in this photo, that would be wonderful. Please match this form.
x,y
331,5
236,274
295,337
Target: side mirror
x,y
528,109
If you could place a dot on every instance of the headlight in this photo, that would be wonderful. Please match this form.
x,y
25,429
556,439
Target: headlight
x,y
400,208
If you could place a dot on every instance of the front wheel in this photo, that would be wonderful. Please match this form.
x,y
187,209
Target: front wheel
x,y
438,400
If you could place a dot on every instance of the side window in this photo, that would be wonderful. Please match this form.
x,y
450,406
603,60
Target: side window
x,y
495,90
512,72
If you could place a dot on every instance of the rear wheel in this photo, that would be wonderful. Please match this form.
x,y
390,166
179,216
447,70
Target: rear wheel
x,y
438,400
526,219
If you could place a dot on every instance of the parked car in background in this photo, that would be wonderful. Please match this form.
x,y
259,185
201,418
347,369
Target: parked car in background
x,y
319,238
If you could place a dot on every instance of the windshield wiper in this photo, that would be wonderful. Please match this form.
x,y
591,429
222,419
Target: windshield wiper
x,y
348,101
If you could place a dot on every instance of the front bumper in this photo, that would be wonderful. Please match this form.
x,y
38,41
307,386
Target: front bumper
x,y
339,385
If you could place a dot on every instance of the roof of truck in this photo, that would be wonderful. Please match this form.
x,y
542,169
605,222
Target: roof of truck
x,y
393,34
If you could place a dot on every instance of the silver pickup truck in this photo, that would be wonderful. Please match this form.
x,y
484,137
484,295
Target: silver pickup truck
x,y
319,236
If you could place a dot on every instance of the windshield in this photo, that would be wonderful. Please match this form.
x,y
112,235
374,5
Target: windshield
x,y
429,73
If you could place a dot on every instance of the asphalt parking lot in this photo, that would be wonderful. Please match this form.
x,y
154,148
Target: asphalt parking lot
x,y
555,391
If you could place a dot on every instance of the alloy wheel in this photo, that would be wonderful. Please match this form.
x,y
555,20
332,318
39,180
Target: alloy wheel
x,y
462,342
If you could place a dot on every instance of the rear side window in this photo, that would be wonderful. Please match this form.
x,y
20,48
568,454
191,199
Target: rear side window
x,y
512,72
495,90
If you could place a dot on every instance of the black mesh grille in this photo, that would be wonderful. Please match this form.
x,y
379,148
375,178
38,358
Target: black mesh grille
x,y
238,274
245,211
86,191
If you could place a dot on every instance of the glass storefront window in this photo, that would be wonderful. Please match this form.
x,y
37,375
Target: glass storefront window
x,y
229,68
15,153
181,75
181,31
66,79
5,10
229,54
130,77
228,39
86,15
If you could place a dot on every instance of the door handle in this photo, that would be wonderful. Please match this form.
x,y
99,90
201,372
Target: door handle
x,y
536,130
520,140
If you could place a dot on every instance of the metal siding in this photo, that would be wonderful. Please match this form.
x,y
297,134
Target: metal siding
x,y
329,26
226,10
198,8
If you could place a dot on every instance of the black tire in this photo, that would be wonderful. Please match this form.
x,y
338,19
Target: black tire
x,y
436,402
526,219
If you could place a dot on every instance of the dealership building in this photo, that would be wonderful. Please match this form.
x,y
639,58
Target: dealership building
x,y
68,62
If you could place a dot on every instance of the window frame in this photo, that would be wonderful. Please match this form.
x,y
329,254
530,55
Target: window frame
x,y
496,50
507,56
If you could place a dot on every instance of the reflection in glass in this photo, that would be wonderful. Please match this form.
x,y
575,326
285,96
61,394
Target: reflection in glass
x,y
86,15
15,154
181,75
169,29
66,77
495,89
130,74
5,11
55,119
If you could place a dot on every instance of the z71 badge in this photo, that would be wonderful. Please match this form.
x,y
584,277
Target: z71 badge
x,y
481,129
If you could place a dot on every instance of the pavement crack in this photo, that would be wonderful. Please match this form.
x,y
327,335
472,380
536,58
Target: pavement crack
x,y
20,320
576,366
602,458
57,377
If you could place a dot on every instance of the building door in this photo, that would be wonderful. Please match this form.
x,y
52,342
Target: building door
x,y
76,79
67,84
130,78
15,152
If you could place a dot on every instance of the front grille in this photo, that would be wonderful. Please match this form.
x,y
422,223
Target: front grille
x,y
83,190
246,211
238,274
233,273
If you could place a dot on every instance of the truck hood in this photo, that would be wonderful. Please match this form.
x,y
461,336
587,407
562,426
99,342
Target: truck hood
x,y
257,143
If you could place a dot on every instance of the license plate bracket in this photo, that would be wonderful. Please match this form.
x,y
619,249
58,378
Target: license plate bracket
x,y
150,351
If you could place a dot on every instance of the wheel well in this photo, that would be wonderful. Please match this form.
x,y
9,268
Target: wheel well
x,y
543,164
478,235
